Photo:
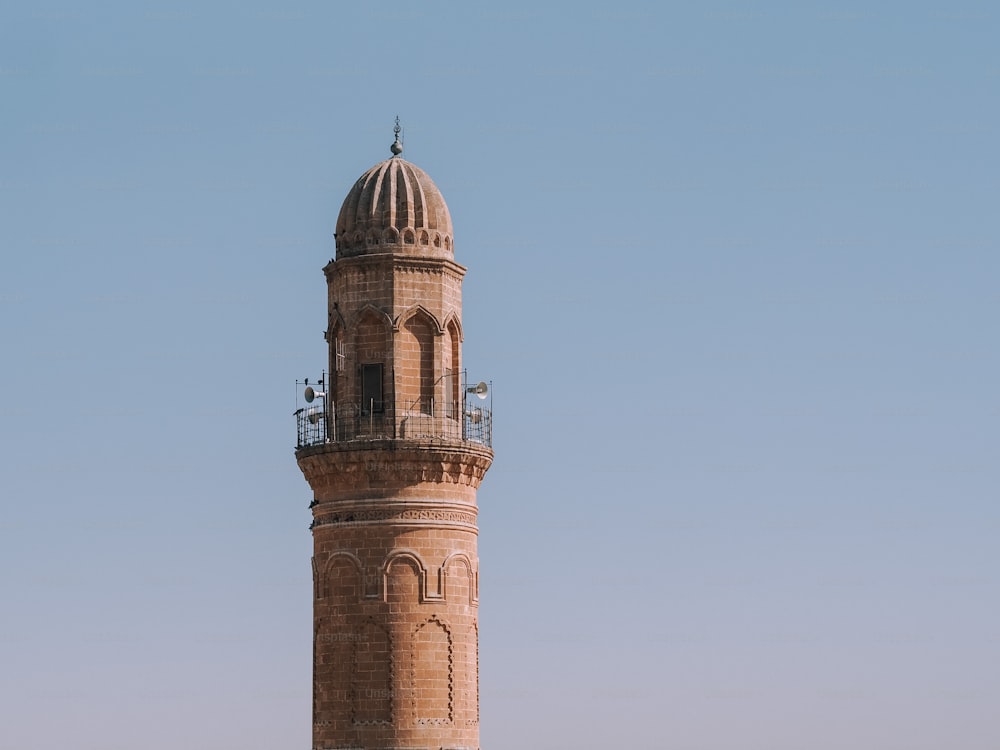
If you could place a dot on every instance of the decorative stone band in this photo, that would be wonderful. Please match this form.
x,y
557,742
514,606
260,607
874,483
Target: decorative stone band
x,y
400,515
388,264
394,469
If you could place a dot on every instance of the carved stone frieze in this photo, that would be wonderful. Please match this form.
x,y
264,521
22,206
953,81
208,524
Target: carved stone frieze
x,y
382,468
358,517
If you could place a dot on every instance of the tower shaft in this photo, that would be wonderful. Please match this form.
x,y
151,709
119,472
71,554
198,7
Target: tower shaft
x,y
395,661
394,453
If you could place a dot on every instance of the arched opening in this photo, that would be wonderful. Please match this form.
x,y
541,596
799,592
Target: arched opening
x,y
432,673
402,581
468,684
372,688
452,365
458,580
341,585
414,365
332,667
371,344
338,360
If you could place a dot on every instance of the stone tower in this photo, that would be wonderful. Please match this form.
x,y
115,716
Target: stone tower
x,y
394,445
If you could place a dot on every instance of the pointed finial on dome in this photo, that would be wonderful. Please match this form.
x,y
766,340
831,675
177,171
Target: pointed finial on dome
x,y
397,146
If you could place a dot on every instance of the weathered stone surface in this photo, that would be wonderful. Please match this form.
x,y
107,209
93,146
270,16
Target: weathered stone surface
x,y
395,565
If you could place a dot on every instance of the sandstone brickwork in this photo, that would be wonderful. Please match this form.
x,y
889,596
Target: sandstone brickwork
x,y
395,565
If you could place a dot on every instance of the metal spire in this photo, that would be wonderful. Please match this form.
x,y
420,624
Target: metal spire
x,y
397,145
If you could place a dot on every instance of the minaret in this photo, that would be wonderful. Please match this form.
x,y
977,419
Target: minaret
x,y
394,445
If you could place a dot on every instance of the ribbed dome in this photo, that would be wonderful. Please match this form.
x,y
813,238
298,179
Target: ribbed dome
x,y
394,203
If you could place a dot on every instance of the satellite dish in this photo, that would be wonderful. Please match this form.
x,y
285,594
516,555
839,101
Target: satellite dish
x,y
480,389
311,394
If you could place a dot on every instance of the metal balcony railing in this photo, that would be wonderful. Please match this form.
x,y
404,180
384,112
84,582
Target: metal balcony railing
x,y
469,420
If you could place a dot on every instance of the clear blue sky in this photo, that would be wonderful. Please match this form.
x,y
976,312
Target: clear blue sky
x,y
733,270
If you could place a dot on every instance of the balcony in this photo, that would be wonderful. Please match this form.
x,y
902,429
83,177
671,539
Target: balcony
x,y
470,420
